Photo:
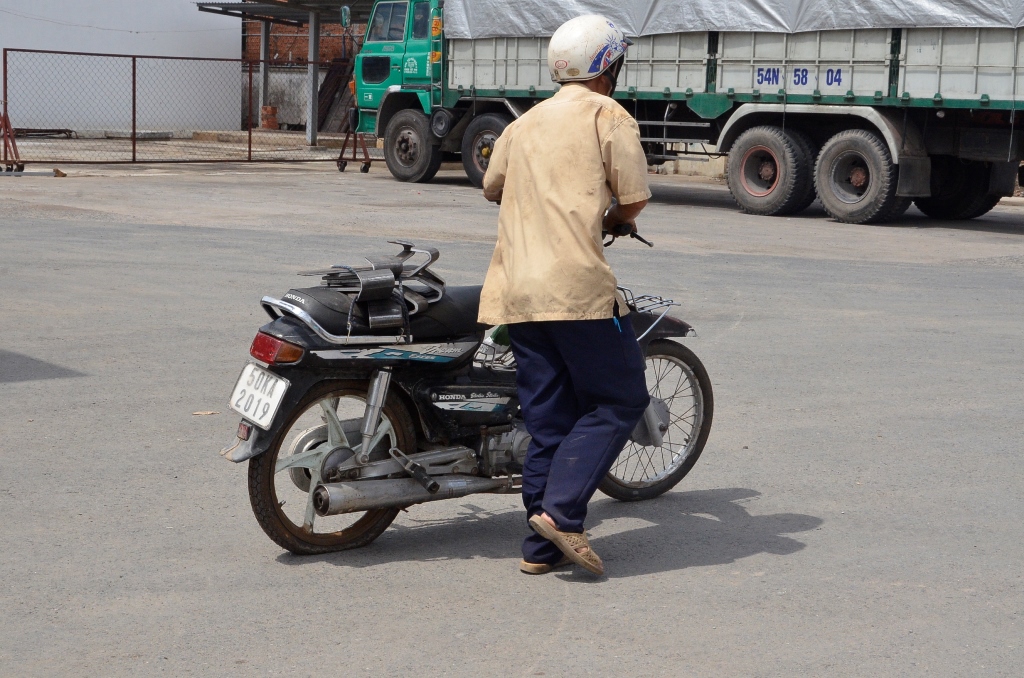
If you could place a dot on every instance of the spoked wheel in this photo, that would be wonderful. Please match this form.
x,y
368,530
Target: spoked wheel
x,y
281,480
681,391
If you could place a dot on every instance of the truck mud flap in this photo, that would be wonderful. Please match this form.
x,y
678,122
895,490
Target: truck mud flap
x,y
915,177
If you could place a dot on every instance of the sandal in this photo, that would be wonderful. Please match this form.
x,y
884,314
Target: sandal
x,y
567,543
542,568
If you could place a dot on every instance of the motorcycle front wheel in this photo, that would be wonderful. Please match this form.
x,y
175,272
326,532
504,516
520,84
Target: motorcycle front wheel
x,y
678,378
282,479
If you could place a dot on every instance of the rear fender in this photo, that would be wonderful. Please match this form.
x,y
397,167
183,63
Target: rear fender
x,y
648,327
294,331
259,440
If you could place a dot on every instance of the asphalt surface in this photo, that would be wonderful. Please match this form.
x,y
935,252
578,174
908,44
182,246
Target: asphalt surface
x,y
856,512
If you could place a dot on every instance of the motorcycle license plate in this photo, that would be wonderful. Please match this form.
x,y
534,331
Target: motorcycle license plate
x,y
258,394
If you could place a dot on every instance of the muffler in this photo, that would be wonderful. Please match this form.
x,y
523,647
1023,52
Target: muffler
x,y
333,498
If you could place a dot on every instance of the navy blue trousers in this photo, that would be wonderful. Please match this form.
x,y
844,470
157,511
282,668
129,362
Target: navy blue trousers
x,y
582,391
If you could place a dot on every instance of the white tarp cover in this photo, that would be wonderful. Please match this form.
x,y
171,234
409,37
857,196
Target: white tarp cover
x,y
533,18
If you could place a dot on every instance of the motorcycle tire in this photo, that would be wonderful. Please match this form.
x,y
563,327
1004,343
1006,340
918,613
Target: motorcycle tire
x,y
644,472
263,490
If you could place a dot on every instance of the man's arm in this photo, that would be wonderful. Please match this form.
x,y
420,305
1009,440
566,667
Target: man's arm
x,y
494,178
493,194
623,214
626,168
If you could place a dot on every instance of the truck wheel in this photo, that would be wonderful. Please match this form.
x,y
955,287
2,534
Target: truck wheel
x,y
856,179
809,149
409,150
959,190
478,143
769,172
899,206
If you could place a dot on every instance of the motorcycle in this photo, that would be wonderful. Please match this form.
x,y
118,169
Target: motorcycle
x,y
378,389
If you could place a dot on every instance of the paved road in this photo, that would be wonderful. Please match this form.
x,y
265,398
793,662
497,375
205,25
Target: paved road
x,y
857,510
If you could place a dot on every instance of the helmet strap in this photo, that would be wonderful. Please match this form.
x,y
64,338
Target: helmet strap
x,y
612,73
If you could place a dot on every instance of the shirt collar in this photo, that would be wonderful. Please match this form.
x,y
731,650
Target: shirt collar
x,y
573,90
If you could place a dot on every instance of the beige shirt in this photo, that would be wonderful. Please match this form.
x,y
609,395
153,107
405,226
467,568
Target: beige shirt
x,y
559,166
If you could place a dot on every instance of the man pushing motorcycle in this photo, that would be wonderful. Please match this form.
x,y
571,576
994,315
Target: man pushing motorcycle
x,y
580,371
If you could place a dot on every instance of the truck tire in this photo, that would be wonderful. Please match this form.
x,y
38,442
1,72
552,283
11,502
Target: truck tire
x,y
478,143
769,172
899,206
959,190
810,152
409,148
856,178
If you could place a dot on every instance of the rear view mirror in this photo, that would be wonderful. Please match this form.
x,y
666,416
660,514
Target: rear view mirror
x,y
346,16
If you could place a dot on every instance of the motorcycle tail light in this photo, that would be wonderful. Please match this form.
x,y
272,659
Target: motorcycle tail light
x,y
244,430
273,351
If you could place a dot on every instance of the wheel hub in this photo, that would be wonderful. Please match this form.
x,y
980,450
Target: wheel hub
x,y
759,171
850,177
330,468
483,148
407,147
858,177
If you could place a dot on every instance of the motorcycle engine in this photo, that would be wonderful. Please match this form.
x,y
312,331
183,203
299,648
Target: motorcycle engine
x,y
504,451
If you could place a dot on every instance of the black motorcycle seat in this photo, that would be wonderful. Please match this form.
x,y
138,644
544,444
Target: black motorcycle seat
x,y
454,315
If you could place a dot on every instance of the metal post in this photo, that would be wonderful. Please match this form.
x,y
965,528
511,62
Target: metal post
x,y
264,67
313,95
11,157
134,104
5,119
249,111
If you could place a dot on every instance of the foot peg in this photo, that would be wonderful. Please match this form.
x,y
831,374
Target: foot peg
x,y
417,472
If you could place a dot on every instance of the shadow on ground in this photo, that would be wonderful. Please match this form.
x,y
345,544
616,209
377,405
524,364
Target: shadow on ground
x,y
673,532
453,179
696,195
718,196
17,367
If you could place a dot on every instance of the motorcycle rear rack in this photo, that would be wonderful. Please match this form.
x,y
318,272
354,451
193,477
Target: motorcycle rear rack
x,y
277,308
647,303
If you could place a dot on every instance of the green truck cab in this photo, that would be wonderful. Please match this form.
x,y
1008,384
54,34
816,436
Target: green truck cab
x,y
400,39
404,100
866,120
399,72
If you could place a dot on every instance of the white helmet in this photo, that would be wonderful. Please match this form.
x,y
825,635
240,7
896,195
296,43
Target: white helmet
x,y
584,48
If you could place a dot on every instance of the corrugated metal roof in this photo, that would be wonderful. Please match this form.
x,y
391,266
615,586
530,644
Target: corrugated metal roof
x,y
295,12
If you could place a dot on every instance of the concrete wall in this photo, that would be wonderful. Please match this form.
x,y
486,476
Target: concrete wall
x,y
287,91
692,166
88,93
160,27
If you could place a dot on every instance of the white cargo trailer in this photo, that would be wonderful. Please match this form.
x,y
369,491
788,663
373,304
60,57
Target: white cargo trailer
x,y
868,109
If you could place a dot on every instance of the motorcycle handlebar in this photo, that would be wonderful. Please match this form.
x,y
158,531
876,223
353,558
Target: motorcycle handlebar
x,y
623,230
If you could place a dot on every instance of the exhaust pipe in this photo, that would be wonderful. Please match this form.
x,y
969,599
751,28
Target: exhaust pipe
x,y
333,498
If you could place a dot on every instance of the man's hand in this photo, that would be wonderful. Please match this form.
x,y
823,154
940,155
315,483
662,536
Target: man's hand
x,y
493,195
623,214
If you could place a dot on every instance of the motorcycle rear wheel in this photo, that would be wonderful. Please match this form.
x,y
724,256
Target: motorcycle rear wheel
x,y
270,489
676,375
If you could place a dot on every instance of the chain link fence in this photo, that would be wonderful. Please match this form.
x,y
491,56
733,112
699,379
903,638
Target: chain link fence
x,y
73,107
